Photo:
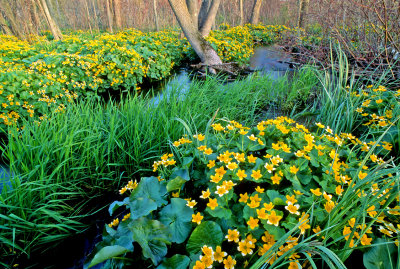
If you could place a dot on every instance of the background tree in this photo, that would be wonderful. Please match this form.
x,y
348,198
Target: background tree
x,y
255,13
49,19
303,10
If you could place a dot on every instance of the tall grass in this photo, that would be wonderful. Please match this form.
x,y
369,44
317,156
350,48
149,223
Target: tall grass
x,y
337,103
62,165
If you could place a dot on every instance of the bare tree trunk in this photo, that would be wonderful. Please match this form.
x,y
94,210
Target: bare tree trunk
x,y
35,15
87,15
202,48
109,15
3,25
255,13
52,24
303,10
193,7
205,6
156,15
117,13
241,12
205,28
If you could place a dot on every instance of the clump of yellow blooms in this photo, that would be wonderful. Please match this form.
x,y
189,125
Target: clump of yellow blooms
x,y
45,76
273,174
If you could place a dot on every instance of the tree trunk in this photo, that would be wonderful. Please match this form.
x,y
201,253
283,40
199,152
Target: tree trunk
x,y
203,49
52,24
87,15
303,10
205,6
156,15
255,13
109,16
205,28
117,13
241,12
3,25
34,15
193,7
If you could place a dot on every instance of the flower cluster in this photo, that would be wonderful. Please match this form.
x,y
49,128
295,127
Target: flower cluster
x,y
263,181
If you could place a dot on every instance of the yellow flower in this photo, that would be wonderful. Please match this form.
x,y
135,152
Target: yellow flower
x,y
241,174
329,205
199,137
339,190
252,137
191,203
362,175
219,254
208,151
253,223
293,209
371,211
221,191
231,166
291,199
175,194
196,218
268,206
233,235
365,241
274,219
246,247
243,198
229,263
269,167
205,194
211,164
176,143
261,214
259,189
293,265
199,265
212,203
316,192
256,174
251,158
276,179
294,169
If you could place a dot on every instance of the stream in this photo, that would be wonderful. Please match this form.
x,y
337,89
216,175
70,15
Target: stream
x,y
71,254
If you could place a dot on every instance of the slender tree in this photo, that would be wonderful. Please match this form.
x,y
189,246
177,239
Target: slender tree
x,y
303,10
255,13
117,14
193,7
4,26
51,23
109,15
203,49
156,15
241,12
206,24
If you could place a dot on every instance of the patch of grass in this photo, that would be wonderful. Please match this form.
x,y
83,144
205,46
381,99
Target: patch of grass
x,y
64,163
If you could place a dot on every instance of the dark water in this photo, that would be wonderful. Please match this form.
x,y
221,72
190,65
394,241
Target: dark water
x,y
269,61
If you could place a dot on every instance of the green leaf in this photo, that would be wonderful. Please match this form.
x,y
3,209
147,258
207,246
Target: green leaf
x,y
106,253
380,256
183,173
150,187
207,233
141,207
276,198
175,262
152,236
220,212
117,204
178,217
175,184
